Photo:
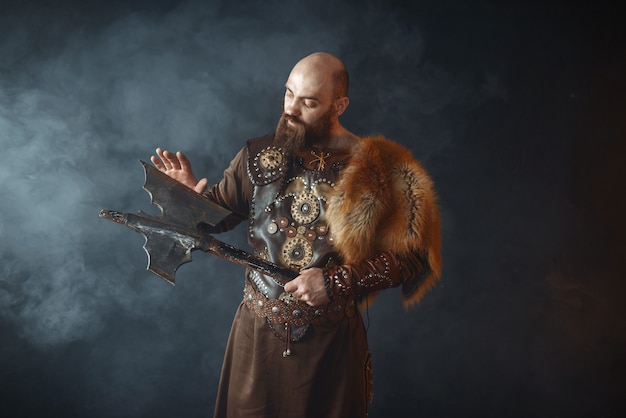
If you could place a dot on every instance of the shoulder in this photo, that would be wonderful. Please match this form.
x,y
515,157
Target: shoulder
x,y
380,158
383,149
258,143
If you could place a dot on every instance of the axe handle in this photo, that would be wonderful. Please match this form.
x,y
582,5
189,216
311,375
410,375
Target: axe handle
x,y
243,258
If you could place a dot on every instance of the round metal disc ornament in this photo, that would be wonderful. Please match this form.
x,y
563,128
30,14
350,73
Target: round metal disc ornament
x,y
270,159
305,208
297,252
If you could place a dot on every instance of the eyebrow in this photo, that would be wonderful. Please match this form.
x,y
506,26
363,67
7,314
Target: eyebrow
x,y
304,97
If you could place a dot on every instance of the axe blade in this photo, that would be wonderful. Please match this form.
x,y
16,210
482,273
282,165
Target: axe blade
x,y
179,204
165,255
167,246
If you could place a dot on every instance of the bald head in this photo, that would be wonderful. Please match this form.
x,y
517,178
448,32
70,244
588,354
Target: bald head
x,y
315,97
326,71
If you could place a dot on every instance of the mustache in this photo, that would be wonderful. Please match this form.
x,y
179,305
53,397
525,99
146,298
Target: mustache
x,y
292,118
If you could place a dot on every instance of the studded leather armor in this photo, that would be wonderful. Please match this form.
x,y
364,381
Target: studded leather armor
x,y
288,204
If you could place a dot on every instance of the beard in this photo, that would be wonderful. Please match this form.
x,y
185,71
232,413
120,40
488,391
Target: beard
x,y
292,138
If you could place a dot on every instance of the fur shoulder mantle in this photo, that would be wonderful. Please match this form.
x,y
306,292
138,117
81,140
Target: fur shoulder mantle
x,y
385,201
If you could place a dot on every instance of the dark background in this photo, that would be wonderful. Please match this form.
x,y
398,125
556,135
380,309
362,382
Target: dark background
x,y
516,108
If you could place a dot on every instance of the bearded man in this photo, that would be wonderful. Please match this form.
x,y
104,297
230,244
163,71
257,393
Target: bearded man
x,y
352,215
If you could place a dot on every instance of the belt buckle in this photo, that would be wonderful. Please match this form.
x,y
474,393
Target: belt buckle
x,y
287,298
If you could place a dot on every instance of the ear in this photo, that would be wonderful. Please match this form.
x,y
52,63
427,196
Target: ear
x,y
341,105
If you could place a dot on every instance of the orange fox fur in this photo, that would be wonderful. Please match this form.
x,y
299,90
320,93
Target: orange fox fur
x,y
385,201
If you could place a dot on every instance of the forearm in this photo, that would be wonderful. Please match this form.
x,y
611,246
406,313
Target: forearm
x,y
381,272
213,193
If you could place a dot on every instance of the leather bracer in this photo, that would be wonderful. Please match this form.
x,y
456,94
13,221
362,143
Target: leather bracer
x,y
381,272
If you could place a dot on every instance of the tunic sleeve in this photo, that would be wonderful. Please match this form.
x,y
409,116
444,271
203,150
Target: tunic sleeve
x,y
234,192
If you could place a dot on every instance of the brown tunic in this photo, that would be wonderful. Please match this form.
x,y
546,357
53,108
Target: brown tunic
x,y
329,371
327,374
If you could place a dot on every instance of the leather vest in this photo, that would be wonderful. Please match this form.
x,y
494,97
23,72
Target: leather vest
x,y
288,205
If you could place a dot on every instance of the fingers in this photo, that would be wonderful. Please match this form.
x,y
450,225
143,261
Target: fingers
x,y
183,161
161,163
302,289
172,159
291,287
157,163
168,160
200,187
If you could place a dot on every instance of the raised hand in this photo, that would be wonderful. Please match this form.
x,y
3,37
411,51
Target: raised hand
x,y
178,167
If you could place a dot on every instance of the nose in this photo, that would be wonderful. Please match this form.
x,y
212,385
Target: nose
x,y
291,107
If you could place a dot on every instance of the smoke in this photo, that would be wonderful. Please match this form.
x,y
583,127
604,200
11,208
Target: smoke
x,y
87,90
494,100
80,104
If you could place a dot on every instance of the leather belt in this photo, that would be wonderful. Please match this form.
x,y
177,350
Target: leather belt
x,y
289,310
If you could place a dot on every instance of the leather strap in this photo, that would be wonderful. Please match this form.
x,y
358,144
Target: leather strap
x,y
289,310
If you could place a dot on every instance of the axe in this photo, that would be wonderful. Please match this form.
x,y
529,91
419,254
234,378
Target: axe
x,y
179,229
